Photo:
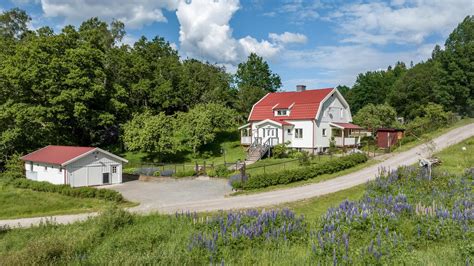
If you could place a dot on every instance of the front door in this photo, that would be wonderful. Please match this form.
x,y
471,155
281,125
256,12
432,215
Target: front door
x,y
105,178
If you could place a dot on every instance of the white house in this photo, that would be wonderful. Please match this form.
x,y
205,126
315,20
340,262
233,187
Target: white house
x,y
75,166
306,119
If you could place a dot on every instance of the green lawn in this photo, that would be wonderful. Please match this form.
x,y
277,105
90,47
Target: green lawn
x,y
22,203
457,158
315,207
227,143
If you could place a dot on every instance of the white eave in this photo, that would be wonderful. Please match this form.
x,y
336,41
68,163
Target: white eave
x,y
94,150
244,126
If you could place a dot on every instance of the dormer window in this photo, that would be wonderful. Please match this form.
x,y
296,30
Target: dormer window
x,y
282,112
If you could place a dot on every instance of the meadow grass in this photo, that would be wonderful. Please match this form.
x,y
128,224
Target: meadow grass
x,y
23,203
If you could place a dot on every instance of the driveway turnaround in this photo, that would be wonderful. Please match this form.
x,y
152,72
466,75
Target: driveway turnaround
x,y
212,202
160,192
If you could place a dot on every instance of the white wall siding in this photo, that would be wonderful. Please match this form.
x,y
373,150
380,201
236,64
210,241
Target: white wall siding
x,y
307,140
323,141
88,171
45,172
331,111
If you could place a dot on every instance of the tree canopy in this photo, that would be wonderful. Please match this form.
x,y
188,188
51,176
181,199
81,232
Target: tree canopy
x,y
445,79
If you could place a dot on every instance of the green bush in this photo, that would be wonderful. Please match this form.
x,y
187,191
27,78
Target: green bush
x,y
113,218
289,176
82,192
280,150
14,167
185,173
222,171
211,172
129,170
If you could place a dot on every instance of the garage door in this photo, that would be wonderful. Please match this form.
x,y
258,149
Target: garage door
x,y
95,175
87,176
78,177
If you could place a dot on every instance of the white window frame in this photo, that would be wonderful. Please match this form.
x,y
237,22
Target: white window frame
x,y
282,112
114,169
324,132
298,133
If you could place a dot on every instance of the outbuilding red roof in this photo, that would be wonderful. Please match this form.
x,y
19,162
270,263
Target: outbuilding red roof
x,y
302,105
56,154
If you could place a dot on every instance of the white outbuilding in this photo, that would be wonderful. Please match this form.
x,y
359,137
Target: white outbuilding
x,y
74,166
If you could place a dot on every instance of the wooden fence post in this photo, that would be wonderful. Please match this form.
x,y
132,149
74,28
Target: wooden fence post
x,y
204,167
242,173
197,167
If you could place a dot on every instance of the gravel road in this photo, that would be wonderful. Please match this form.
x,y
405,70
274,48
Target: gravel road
x,y
284,195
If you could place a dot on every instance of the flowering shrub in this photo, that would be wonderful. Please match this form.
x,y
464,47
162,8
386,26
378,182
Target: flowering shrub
x,y
241,228
392,218
402,210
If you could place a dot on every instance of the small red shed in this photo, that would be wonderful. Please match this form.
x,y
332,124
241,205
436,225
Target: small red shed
x,y
388,137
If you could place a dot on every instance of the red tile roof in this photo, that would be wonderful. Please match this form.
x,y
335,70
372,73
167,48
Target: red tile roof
x,y
56,154
304,104
348,125
283,122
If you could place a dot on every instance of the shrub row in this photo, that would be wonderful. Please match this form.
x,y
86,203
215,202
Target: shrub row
x,y
82,192
289,176
185,173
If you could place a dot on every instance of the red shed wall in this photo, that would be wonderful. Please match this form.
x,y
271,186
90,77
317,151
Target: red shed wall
x,y
383,138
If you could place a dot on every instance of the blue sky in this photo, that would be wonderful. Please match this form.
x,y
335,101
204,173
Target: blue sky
x,y
317,43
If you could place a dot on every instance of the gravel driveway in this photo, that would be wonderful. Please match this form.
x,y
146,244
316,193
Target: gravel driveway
x,y
158,193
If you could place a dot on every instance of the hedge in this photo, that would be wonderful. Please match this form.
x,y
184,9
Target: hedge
x,y
82,192
290,176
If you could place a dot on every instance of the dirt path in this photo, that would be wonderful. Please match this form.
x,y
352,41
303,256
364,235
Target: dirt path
x,y
284,195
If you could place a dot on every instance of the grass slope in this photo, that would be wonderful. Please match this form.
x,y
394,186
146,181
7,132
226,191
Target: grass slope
x,y
23,203
229,142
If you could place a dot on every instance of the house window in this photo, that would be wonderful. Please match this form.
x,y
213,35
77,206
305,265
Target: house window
x,y
281,112
46,168
288,131
324,132
31,167
263,132
299,133
114,169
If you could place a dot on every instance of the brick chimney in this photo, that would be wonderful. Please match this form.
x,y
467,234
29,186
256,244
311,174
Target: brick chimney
x,y
300,87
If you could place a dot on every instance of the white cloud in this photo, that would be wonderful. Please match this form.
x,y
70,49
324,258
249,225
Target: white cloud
x,y
205,33
410,21
298,11
288,37
128,39
134,14
341,64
